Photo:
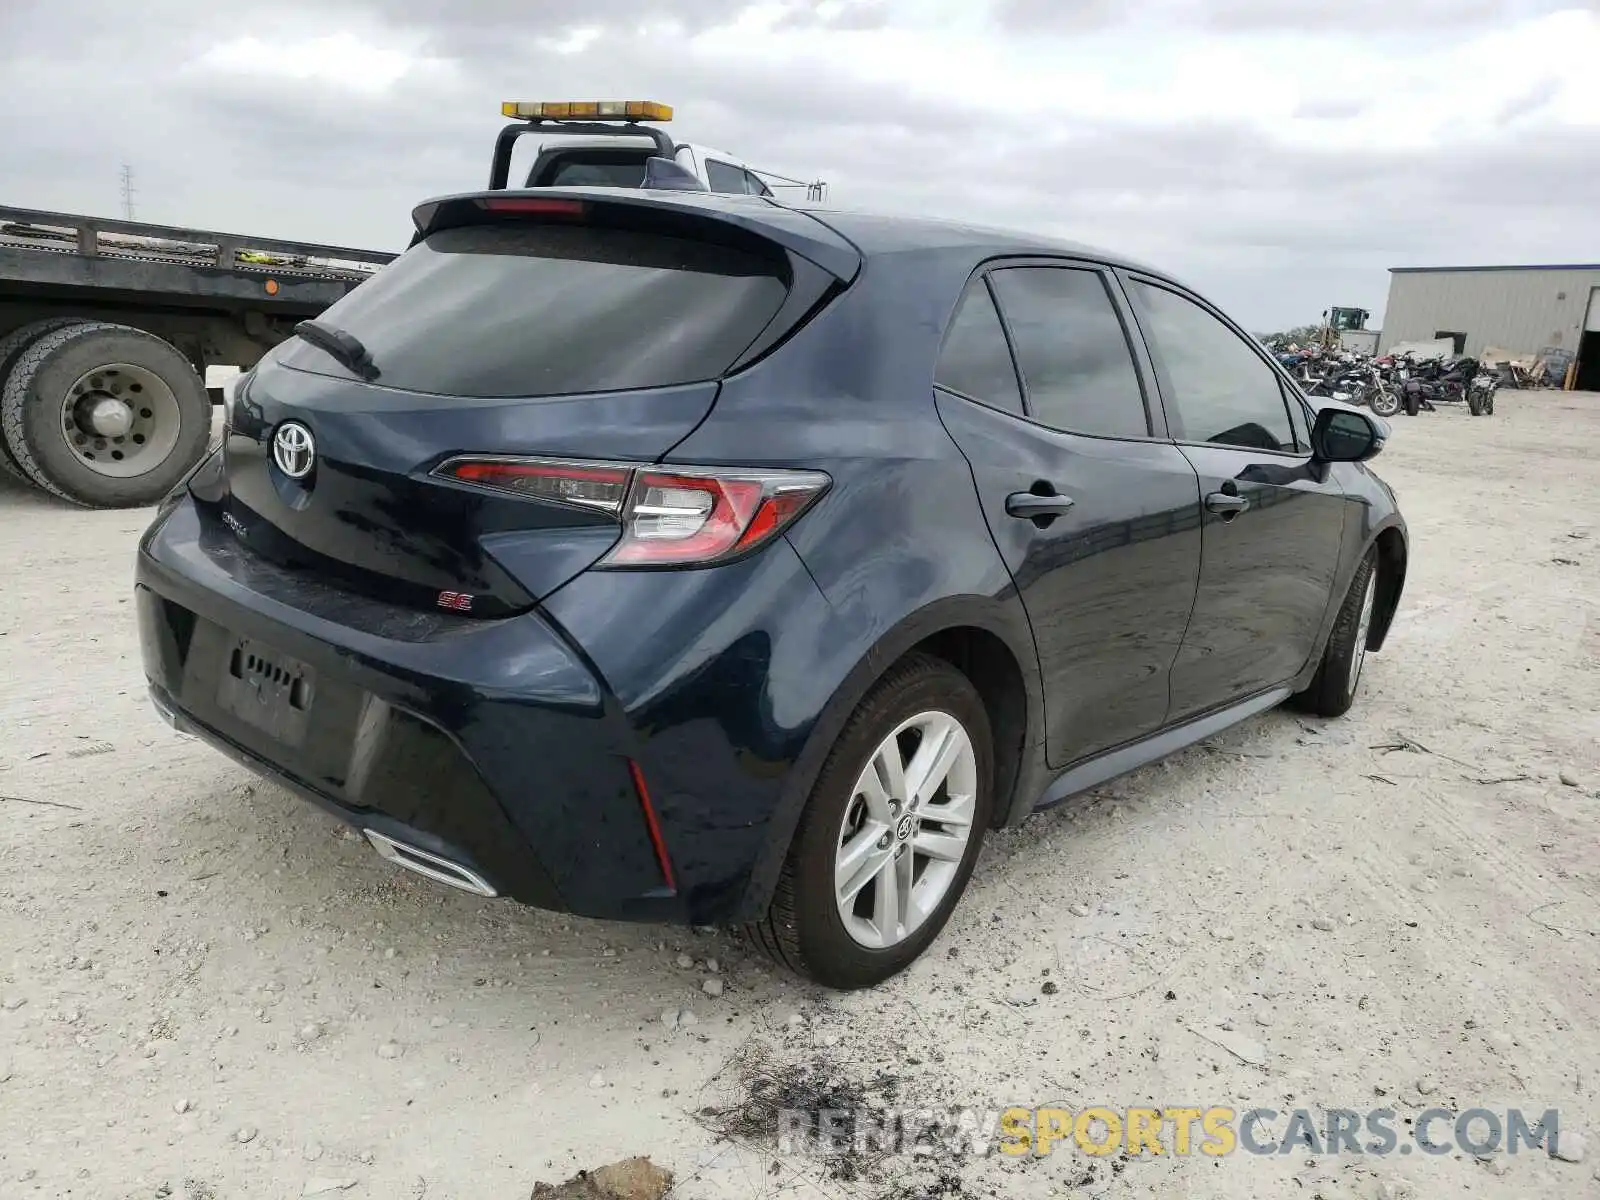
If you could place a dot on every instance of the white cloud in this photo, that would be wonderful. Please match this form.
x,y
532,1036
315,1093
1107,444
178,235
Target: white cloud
x,y
1274,155
346,60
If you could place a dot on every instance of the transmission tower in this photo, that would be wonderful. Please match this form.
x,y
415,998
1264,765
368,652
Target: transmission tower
x,y
128,192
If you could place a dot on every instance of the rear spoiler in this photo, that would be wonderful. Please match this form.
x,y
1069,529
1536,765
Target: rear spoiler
x,y
739,218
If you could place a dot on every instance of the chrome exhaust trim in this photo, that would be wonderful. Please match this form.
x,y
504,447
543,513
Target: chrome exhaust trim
x,y
171,715
431,866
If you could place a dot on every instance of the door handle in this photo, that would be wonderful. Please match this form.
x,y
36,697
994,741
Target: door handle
x,y
1225,503
1031,504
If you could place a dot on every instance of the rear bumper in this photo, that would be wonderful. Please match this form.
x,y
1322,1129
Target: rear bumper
x,y
489,744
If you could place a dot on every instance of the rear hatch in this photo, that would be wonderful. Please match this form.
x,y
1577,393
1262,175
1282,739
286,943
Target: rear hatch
x,y
579,333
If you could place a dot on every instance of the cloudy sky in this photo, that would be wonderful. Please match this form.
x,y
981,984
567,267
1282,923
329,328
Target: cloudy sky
x,y
1278,154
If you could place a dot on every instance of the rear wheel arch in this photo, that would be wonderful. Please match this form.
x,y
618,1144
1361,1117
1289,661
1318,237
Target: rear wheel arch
x,y
961,630
989,662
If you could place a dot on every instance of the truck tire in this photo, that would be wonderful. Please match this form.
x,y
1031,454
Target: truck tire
x,y
11,347
104,415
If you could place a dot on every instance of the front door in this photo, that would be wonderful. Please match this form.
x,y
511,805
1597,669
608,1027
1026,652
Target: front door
x,y
1097,519
1273,519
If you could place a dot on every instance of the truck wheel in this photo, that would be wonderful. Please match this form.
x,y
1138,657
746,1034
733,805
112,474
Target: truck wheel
x,y
11,347
104,415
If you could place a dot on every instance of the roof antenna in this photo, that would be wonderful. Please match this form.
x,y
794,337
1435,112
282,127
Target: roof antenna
x,y
128,191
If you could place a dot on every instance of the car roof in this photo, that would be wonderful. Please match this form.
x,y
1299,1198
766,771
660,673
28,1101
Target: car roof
x,y
847,235
887,233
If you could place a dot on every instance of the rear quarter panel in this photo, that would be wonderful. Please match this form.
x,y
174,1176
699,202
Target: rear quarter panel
x,y
898,546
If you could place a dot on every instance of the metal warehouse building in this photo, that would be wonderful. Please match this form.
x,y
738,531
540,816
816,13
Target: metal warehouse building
x,y
1520,310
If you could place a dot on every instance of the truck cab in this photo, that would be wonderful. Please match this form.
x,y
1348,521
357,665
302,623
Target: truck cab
x,y
620,162
610,144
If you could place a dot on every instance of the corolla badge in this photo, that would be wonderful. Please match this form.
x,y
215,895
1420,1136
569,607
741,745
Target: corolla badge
x,y
294,450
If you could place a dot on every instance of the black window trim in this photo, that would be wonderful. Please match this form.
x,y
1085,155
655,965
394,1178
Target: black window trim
x,y
1298,406
1164,381
1154,416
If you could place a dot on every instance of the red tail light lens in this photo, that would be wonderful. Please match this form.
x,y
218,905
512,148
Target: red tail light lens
x,y
587,485
689,517
694,518
533,206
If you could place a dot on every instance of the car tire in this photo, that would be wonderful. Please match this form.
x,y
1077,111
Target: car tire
x,y
1333,687
805,927
11,347
167,418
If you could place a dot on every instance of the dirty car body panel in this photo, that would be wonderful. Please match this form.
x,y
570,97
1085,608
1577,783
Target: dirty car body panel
x,y
639,742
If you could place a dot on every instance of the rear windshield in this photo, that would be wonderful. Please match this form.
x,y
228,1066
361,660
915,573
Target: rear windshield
x,y
589,169
544,310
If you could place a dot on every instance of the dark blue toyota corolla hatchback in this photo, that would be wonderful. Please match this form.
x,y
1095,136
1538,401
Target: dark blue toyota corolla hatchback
x,y
676,557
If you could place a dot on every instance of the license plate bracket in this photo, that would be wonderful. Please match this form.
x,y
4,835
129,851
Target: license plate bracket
x,y
267,690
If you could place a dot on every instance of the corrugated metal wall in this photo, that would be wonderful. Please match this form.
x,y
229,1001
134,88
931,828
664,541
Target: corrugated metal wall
x,y
1520,311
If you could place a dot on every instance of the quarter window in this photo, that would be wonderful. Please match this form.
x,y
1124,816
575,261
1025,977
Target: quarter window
x,y
975,360
1072,351
724,177
1222,391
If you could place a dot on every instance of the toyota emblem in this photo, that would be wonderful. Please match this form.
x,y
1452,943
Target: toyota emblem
x,y
294,450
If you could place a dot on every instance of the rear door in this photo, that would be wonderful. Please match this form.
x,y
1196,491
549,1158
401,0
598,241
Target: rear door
x,y
1096,516
579,345
1274,519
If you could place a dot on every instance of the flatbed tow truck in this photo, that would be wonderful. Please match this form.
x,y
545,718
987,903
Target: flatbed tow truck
x,y
110,330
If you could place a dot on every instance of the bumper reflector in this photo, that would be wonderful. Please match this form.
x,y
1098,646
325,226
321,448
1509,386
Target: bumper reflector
x,y
653,826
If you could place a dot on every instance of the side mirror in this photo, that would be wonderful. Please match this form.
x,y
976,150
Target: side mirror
x,y
1347,435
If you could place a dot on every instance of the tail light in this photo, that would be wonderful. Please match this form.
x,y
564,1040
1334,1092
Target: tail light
x,y
602,486
687,517
532,206
684,518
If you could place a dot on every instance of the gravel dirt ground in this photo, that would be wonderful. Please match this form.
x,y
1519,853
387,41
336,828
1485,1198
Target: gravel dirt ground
x,y
207,989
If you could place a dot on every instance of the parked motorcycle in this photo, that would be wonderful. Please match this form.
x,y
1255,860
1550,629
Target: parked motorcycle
x,y
1357,380
1425,383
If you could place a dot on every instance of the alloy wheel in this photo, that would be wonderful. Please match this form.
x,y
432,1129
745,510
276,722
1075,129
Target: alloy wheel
x,y
1358,655
905,829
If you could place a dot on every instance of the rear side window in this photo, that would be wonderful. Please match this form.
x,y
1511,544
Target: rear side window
x,y
544,310
1072,351
723,177
975,360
